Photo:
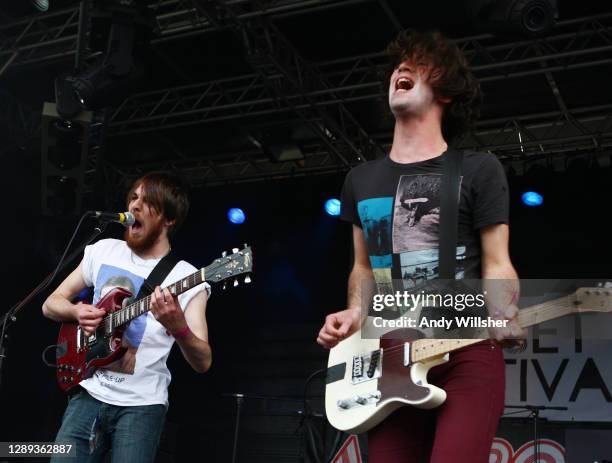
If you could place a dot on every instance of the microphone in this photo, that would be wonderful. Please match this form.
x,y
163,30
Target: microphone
x,y
124,218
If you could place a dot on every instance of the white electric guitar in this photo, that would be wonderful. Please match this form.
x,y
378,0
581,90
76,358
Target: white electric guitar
x,y
367,379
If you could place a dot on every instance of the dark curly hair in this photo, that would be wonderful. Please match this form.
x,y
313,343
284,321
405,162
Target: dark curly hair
x,y
450,76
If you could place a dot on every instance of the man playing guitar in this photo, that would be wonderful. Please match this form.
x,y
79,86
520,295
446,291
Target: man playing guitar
x,y
434,98
122,407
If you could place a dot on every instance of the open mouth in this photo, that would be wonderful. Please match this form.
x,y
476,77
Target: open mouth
x,y
404,83
137,226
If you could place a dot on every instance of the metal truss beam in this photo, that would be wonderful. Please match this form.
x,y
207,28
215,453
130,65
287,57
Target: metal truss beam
x,y
54,35
586,129
291,81
246,166
519,138
577,44
51,36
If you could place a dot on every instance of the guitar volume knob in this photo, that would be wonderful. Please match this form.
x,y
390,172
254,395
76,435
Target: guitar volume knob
x,y
343,404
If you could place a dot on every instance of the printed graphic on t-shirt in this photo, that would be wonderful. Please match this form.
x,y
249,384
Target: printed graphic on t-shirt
x,y
417,213
417,267
375,215
384,282
110,277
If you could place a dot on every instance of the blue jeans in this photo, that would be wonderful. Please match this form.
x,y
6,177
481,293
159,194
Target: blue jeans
x,y
131,433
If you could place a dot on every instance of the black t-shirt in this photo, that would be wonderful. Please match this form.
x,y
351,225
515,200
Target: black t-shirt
x,y
397,207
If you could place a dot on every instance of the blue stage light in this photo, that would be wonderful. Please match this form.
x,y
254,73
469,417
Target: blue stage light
x,y
332,206
531,198
236,215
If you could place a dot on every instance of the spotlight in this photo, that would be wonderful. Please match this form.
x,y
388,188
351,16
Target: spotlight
x,y
111,77
528,18
236,215
40,5
531,198
67,103
120,32
332,206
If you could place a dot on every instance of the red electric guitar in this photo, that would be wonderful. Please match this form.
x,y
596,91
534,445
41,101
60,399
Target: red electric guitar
x,y
79,355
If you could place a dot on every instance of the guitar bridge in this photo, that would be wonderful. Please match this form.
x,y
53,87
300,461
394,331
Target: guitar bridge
x,y
367,367
82,341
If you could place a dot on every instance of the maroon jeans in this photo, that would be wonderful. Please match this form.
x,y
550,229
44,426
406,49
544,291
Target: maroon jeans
x,y
462,429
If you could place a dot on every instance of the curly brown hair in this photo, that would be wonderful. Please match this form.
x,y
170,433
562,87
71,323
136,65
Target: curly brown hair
x,y
450,76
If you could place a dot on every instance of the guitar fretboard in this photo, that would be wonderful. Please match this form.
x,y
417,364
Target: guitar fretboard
x,y
141,306
221,269
428,349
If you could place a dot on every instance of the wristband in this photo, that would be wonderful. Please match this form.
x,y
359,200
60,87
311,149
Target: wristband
x,y
181,333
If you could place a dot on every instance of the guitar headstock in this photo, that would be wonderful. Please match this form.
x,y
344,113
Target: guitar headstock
x,y
231,266
593,299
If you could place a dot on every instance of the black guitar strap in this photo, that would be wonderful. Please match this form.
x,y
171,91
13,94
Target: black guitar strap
x,y
157,275
449,213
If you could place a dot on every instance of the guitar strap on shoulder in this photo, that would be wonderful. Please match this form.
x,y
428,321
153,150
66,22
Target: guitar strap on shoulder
x,y
158,275
449,213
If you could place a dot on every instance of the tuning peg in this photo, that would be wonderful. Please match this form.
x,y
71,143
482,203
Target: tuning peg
x,y
247,279
236,283
224,253
224,287
234,250
246,245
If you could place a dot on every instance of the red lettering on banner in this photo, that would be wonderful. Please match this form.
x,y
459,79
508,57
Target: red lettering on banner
x,y
549,451
349,452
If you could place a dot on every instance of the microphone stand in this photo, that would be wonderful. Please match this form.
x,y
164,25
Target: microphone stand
x,y
11,315
535,414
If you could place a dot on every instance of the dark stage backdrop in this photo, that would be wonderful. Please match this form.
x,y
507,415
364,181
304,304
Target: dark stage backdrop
x,y
263,335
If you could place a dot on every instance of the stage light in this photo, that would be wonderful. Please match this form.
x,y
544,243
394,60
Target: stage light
x,y
120,32
523,18
66,101
531,198
236,215
332,206
40,5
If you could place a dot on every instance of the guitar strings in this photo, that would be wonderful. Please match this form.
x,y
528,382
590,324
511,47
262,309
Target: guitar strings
x,y
211,269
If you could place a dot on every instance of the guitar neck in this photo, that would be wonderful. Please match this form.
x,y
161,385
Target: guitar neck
x,y
546,311
141,306
429,349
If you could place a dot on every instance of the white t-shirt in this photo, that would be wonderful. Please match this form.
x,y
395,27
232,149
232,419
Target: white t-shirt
x,y
141,376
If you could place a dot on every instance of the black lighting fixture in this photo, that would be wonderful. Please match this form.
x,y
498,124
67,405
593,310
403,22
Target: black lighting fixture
x,y
66,99
122,33
40,5
43,5
515,18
